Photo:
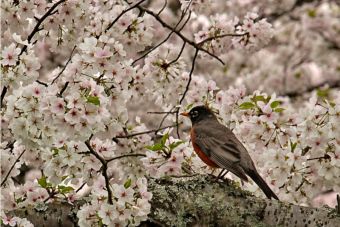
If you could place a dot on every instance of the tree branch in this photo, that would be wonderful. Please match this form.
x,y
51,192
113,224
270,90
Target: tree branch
x,y
124,156
63,89
122,13
12,167
199,201
190,76
39,22
104,171
3,94
221,36
142,133
190,42
68,61
166,39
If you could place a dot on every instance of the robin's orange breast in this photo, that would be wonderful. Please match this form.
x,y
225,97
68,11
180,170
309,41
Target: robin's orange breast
x,y
200,153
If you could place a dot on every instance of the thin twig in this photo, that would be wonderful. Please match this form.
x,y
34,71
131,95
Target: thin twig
x,y
183,176
42,83
68,61
163,119
122,13
190,42
338,202
10,170
177,128
104,171
81,186
3,94
124,156
166,39
63,89
142,133
160,11
221,36
179,55
185,23
39,22
190,76
161,112
326,156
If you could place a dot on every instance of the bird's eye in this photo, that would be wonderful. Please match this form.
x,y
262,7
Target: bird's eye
x,y
194,114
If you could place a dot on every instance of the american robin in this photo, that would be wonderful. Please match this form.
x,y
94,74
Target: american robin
x,y
218,147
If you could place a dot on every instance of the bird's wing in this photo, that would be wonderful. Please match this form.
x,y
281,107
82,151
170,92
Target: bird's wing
x,y
223,151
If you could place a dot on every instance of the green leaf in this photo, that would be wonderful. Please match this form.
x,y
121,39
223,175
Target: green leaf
x,y
19,200
94,100
293,146
127,184
275,104
164,138
246,105
155,147
43,182
55,151
298,75
323,93
279,110
312,13
175,144
257,98
189,106
65,189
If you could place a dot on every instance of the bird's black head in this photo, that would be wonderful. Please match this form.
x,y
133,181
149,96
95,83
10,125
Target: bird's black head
x,y
199,113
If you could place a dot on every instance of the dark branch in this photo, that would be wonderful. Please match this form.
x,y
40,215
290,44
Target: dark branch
x,y
161,112
10,170
104,171
3,94
63,89
178,56
126,155
68,61
190,42
221,36
39,22
122,13
190,76
142,133
166,115
42,83
166,39
161,10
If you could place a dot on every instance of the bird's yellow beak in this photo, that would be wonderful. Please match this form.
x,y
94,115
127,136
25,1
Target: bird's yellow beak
x,y
186,114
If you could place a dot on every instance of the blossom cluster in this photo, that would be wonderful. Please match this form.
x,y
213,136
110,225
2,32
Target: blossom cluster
x,y
130,205
222,33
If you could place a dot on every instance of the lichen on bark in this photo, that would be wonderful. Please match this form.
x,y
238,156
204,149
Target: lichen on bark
x,y
199,201
202,201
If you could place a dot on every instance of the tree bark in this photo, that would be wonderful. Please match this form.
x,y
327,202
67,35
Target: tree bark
x,y
200,201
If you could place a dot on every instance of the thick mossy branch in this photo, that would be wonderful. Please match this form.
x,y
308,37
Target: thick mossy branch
x,y
200,201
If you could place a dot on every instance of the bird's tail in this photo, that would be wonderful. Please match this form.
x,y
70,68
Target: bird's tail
x,y
262,184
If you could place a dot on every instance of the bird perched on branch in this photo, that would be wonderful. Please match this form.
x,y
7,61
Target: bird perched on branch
x,y
218,147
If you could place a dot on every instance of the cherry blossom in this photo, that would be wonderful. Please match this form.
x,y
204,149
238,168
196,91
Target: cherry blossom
x,y
92,91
